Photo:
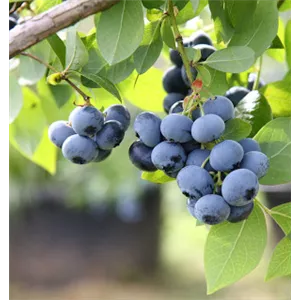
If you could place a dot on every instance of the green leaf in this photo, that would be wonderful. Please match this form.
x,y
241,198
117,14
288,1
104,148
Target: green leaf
x,y
149,50
287,41
240,12
95,62
153,3
233,250
223,27
275,141
255,109
180,4
188,13
277,43
156,177
233,59
104,83
32,71
278,95
61,93
90,40
15,98
40,6
27,129
124,28
280,263
204,75
282,216
76,53
259,32
167,33
285,5
236,129
195,4
148,92
190,53
58,47
154,14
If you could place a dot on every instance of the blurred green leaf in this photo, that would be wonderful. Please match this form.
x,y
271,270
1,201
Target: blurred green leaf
x,y
284,5
153,3
40,6
58,47
287,42
277,43
282,216
204,75
180,4
167,33
188,13
15,98
195,4
61,93
157,177
154,14
236,129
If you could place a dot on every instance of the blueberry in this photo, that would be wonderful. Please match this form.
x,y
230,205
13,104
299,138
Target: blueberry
x,y
220,106
119,113
212,209
197,157
236,94
168,156
190,146
173,83
240,213
13,20
240,187
249,144
110,135
59,131
208,128
190,205
226,155
200,37
79,149
177,107
257,162
140,156
147,128
176,128
86,120
251,80
170,99
102,155
175,58
185,77
172,174
194,182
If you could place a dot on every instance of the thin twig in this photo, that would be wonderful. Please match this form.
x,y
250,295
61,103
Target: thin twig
x,y
39,60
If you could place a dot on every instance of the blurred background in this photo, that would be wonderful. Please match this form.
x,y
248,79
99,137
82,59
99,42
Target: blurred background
x,y
100,232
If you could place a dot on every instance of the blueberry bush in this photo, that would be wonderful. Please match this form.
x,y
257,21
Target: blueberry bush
x,y
225,132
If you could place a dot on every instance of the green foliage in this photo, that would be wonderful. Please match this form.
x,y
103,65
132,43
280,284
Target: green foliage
x,y
154,14
233,250
156,177
61,93
284,5
15,98
153,3
40,6
188,12
204,75
167,33
287,42
282,216
236,129
58,47
277,43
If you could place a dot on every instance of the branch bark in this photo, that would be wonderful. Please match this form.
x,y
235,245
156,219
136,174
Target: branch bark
x,y
45,24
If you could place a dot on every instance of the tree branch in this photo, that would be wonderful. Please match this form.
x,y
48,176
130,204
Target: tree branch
x,y
45,24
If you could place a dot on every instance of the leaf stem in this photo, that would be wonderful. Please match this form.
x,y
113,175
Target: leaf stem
x,y
205,161
63,75
178,39
256,83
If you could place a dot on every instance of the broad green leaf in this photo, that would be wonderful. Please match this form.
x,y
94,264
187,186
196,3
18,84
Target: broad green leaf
x,y
282,216
195,4
277,43
233,59
218,84
40,6
280,263
156,177
239,11
180,4
287,41
149,50
95,62
236,129
118,72
154,14
124,28
153,3
58,47
76,53
233,250
167,33
222,23
284,5
204,75
15,98
27,129
255,109
90,40
188,13
61,93
275,141
259,32
32,71
278,95
148,93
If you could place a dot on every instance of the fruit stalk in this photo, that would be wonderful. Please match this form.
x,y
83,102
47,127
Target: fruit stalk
x,y
179,41
256,83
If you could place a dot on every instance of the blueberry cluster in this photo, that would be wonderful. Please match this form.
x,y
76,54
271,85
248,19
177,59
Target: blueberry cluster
x,y
175,80
13,20
90,135
219,177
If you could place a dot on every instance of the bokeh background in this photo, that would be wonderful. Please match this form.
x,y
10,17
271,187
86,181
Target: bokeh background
x,y
100,232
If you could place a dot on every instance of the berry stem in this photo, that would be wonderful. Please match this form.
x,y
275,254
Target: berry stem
x,y
63,76
178,39
205,162
256,83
